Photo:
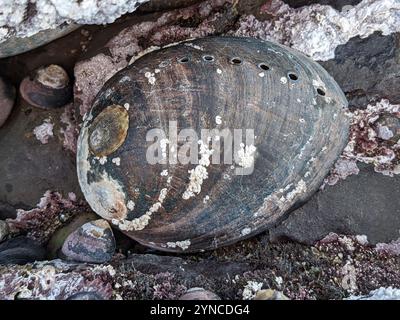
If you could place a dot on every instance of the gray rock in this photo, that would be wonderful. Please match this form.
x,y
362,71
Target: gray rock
x,y
368,69
154,264
29,167
92,242
17,45
7,211
22,19
85,296
364,204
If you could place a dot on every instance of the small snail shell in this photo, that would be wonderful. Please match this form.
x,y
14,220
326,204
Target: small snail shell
x,y
92,242
199,294
295,110
48,87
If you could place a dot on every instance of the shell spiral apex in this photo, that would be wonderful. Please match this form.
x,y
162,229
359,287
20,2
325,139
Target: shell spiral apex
x,y
206,142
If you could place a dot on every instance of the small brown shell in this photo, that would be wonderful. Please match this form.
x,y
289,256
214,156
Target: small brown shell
x,y
92,242
48,87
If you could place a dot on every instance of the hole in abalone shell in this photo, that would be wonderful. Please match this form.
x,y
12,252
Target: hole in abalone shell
x,y
263,66
236,60
320,92
292,76
208,58
183,60
164,64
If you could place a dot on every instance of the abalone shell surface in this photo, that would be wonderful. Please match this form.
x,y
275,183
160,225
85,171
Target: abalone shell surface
x,y
297,112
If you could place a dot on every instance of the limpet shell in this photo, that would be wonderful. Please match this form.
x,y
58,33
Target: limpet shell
x,y
47,87
297,113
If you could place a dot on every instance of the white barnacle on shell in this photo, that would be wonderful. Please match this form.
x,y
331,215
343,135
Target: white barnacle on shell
x,y
199,173
116,161
163,146
184,245
130,205
246,155
150,77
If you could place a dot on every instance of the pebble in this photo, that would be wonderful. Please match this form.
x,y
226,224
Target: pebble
x,y
93,242
199,294
270,294
388,128
7,98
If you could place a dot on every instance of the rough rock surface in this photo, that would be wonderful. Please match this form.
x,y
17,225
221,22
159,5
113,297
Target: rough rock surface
x,y
367,203
20,250
26,18
334,268
373,64
380,294
54,281
317,30
86,295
